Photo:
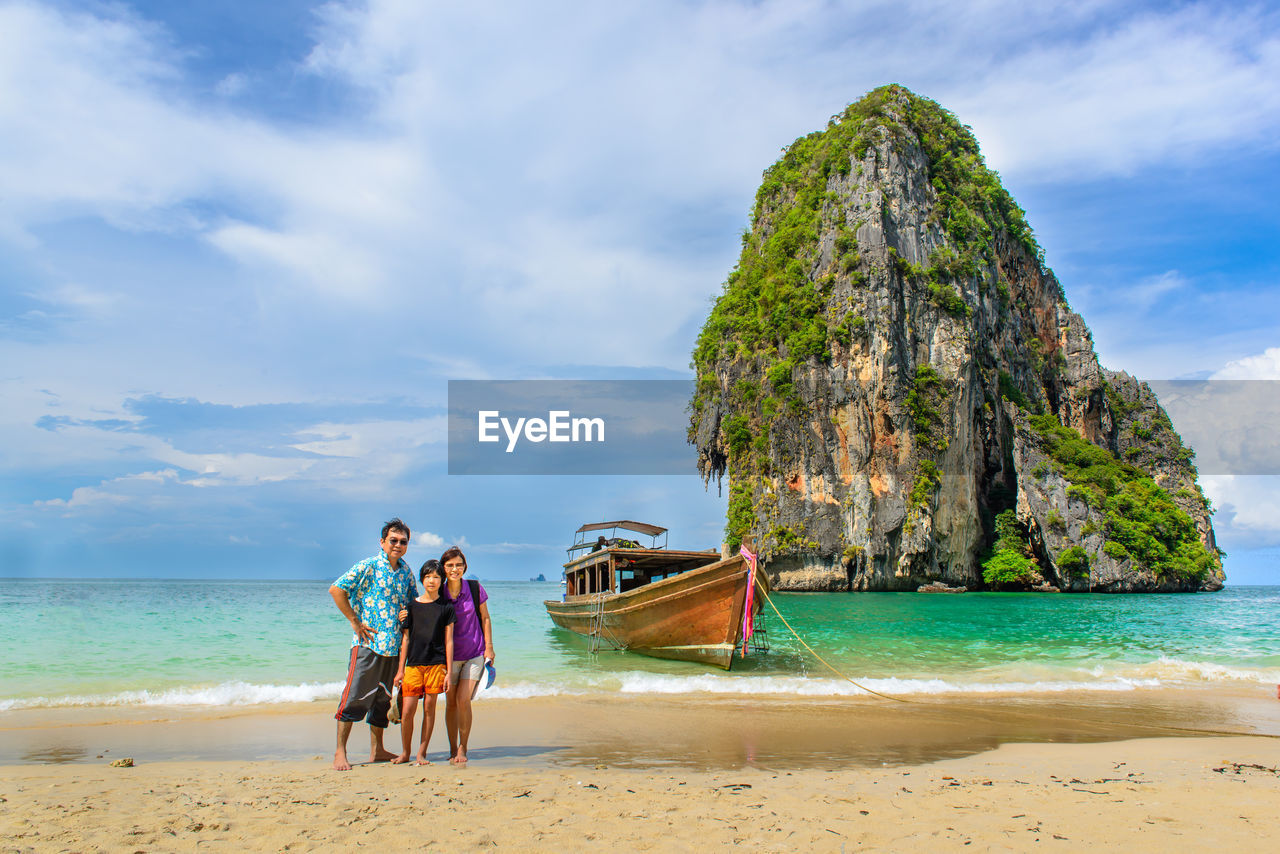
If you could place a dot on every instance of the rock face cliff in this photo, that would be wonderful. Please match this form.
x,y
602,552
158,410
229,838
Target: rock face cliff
x,y
898,392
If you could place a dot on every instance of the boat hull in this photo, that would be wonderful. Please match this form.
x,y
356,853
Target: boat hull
x,y
694,616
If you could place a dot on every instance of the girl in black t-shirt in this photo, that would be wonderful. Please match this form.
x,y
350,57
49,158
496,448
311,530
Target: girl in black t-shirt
x,y
426,658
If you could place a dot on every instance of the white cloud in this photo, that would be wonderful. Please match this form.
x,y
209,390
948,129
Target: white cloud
x,y
1154,289
370,439
1154,87
231,85
78,298
84,496
92,127
356,460
235,469
1262,366
331,268
116,491
426,539
450,365
108,76
1248,509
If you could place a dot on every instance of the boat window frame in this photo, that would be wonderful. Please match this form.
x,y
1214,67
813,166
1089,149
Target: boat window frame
x,y
600,572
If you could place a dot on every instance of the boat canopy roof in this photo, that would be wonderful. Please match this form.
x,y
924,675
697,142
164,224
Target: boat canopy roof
x,y
625,524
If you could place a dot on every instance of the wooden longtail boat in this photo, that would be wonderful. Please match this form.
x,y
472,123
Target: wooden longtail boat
x,y
662,602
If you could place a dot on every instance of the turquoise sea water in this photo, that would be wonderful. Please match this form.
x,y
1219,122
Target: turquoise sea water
x,y
154,642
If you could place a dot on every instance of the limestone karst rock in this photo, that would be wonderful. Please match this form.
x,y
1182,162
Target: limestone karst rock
x,y
899,393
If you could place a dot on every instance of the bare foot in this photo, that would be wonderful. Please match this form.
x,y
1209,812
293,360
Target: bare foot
x,y
459,759
400,760
382,756
422,760
340,762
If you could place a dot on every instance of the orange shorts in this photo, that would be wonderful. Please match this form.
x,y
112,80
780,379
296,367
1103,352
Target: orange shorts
x,y
422,680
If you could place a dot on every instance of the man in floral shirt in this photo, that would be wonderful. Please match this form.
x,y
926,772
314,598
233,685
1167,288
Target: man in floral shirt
x,y
370,595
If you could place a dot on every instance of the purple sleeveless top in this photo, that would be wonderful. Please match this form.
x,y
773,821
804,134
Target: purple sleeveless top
x,y
468,637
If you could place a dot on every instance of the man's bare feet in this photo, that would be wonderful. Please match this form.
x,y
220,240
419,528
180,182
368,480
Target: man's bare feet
x,y
340,762
381,755
400,760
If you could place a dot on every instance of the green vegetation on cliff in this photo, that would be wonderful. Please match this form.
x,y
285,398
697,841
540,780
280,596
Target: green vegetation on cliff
x,y
1009,565
923,401
1074,561
1141,520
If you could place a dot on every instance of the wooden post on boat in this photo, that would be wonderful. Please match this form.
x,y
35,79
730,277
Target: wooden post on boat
x,y
760,639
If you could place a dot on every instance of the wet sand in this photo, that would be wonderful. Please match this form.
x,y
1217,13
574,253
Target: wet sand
x,y
662,774
704,733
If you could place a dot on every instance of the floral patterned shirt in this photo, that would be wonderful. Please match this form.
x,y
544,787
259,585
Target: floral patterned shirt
x,y
377,593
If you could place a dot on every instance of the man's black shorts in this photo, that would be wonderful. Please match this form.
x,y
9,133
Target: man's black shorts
x,y
368,692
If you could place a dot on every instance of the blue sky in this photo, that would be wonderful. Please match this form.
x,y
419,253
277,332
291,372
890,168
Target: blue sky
x,y
244,246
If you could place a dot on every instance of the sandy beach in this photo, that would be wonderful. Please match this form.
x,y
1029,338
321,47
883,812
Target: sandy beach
x,y
670,774
1155,794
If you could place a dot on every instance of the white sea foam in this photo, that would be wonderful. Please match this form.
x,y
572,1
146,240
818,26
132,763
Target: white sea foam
x,y
225,694
1175,669
1020,679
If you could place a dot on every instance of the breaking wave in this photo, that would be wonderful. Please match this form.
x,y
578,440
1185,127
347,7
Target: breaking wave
x,y
225,694
1164,672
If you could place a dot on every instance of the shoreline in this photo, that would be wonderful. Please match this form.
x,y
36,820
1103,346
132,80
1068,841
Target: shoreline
x,y
701,732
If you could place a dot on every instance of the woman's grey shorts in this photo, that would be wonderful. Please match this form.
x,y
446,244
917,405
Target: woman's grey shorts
x,y
472,668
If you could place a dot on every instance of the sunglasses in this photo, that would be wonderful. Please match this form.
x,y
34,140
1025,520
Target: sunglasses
x,y
397,541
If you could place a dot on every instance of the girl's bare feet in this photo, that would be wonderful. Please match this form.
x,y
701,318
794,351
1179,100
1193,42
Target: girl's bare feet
x,y
422,760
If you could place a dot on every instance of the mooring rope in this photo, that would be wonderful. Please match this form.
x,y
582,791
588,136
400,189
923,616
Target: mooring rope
x,y
814,653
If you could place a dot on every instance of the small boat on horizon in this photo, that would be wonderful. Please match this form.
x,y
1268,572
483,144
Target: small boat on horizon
x,y
661,602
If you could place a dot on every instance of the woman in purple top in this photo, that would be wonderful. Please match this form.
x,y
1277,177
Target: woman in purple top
x,y
472,645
